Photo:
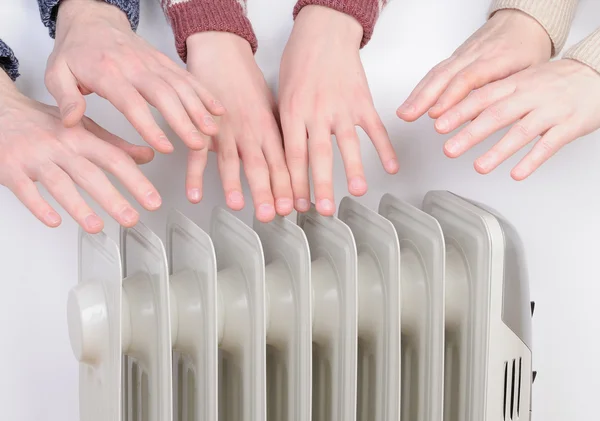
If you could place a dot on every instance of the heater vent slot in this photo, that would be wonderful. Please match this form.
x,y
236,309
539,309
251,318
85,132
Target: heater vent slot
x,y
511,406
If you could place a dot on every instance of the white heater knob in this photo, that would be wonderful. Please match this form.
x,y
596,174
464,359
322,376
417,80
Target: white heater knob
x,y
87,319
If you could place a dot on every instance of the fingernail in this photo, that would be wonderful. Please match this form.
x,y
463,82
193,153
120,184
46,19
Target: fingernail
x,y
236,197
194,195
92,221
162,140
406,108
326,205
266,210
128,215
436,107
209,121
153,199
441,124
485,162
357,184
391,166
302,205
452,147
217,103
52,218
284,205
69,109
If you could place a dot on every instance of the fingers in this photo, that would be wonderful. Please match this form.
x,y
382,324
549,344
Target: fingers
x,y
162,96
427,91
519,135
257,173
140,154
228,161
474,104
544,149
472,77
280,178
296,156
26,191
193,103
349,145
91,179
195,174
61,187
321,163
492,119
378,134
63,86
116,162
134,107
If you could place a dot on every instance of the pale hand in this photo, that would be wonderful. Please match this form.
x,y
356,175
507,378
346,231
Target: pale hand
x,y
507,43
96,51
35,146
248,131
323,90
559,101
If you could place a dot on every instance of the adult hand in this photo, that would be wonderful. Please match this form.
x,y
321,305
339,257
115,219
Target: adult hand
x,y
248,131
507,43
35,146
323,90
96,51
559,101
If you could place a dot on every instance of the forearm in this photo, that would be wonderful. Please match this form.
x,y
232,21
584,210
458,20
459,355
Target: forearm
x,y
587,51
366,12
8,61
188,17
48,11
555,16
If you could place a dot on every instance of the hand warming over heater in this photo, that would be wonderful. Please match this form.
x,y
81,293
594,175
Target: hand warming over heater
x,y
559,101
35,146
248,131
323,91
507,43
96,51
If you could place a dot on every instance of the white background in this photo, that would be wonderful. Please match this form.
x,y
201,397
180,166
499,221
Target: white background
x,y
555,211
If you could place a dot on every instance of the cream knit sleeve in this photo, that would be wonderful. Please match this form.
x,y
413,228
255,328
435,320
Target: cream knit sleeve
x,y
587,51
555,16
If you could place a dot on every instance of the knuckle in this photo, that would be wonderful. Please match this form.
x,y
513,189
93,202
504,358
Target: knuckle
x,y
522,130
296,154
322,148
547,146
228,154
496,113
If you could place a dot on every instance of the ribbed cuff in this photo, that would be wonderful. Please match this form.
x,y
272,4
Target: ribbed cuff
x,y
555,16
194,16
587,51
366,12
8,61
49,12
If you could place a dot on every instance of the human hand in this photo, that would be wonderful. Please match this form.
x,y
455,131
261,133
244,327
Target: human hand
x,y
248,131
507,43
35,146
559,101
323,90
96,51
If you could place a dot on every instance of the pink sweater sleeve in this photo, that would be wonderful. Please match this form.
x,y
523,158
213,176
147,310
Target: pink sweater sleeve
x,y
188,17
366,12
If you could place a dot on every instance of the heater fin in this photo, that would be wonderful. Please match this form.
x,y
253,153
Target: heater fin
x,y
193,269
423,287
146,286
334,281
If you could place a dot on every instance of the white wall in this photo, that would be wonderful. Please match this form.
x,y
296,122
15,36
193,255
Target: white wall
x,y
555,211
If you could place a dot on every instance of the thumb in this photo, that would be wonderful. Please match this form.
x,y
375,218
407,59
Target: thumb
x,y
62,85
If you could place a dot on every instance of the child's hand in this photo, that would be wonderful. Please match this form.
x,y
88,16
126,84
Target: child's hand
x,y
507,43
248,131
323,91
35,146
559,101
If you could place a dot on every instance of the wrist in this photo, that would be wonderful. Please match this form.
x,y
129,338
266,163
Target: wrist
x,y
213,46
84,11
321,21
8,89
533,31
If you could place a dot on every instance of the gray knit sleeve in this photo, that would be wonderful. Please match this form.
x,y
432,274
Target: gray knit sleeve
x,y
8,61
49,10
